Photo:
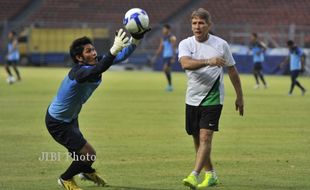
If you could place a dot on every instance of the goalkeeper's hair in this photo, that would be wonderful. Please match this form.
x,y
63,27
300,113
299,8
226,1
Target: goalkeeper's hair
x,y
202,14
77,47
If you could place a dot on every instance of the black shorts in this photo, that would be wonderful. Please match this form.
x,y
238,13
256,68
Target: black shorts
x,y
202,117
66,134
167,61
10,62
258,66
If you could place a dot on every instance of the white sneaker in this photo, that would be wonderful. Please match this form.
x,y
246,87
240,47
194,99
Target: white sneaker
x,y
256,86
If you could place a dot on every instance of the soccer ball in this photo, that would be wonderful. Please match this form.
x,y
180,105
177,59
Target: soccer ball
x,y
136,21
10,80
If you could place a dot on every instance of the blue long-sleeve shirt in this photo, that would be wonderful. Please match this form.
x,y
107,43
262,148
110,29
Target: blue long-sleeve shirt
x,y
80,83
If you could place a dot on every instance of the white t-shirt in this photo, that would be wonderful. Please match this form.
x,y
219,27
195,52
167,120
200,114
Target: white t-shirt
x,y
200,81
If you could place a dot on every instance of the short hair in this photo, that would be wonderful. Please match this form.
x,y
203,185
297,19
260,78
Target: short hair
x,y
13,32
167,26
290,43
77,47
255,35
203,14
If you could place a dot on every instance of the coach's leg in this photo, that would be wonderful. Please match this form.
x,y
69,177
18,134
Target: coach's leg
x,y
196,142
203,157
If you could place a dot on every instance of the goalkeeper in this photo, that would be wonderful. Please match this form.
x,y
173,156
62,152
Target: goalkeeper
x,y
76,88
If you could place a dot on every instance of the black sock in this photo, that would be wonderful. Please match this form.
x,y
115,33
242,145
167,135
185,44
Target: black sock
x,y
75,168
168,75
262,78
292,87
256,79
299,85
17,73
8,70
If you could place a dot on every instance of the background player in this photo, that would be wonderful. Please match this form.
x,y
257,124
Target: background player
x,y
296,59
167,47
203,57
258,49
75,90
12,57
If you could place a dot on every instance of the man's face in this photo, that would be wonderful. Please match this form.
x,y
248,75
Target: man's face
x,y
253,38
89,54
200,29
290,46
165,31
10,35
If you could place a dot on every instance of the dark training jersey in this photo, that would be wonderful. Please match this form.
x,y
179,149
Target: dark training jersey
x,y
81,81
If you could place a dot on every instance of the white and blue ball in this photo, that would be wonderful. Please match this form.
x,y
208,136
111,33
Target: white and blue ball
x,y
136,21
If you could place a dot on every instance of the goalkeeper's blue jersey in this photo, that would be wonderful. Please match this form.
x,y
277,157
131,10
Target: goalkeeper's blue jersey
x,y
80,83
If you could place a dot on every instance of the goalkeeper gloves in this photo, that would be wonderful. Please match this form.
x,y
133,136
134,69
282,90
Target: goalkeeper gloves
x,y
120,41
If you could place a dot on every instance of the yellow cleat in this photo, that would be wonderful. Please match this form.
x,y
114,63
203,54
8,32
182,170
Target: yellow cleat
x,y
68,184
191,181
94,177
209,181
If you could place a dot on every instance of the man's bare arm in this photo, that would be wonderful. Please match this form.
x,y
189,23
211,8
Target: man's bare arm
x,y
235,80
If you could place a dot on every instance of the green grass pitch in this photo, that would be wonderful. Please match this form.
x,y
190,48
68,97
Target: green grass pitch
x,y
138,132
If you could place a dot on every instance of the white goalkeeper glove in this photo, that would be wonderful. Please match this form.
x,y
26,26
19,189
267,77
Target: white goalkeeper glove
x,y
120,41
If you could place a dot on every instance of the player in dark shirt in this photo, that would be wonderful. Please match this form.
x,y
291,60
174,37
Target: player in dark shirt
x,y
167,48
76,88
296,59
258,48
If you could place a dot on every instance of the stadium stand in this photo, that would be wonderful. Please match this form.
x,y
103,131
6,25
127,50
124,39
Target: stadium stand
x,y
250,15
11,8
275,20
264,12
94,11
